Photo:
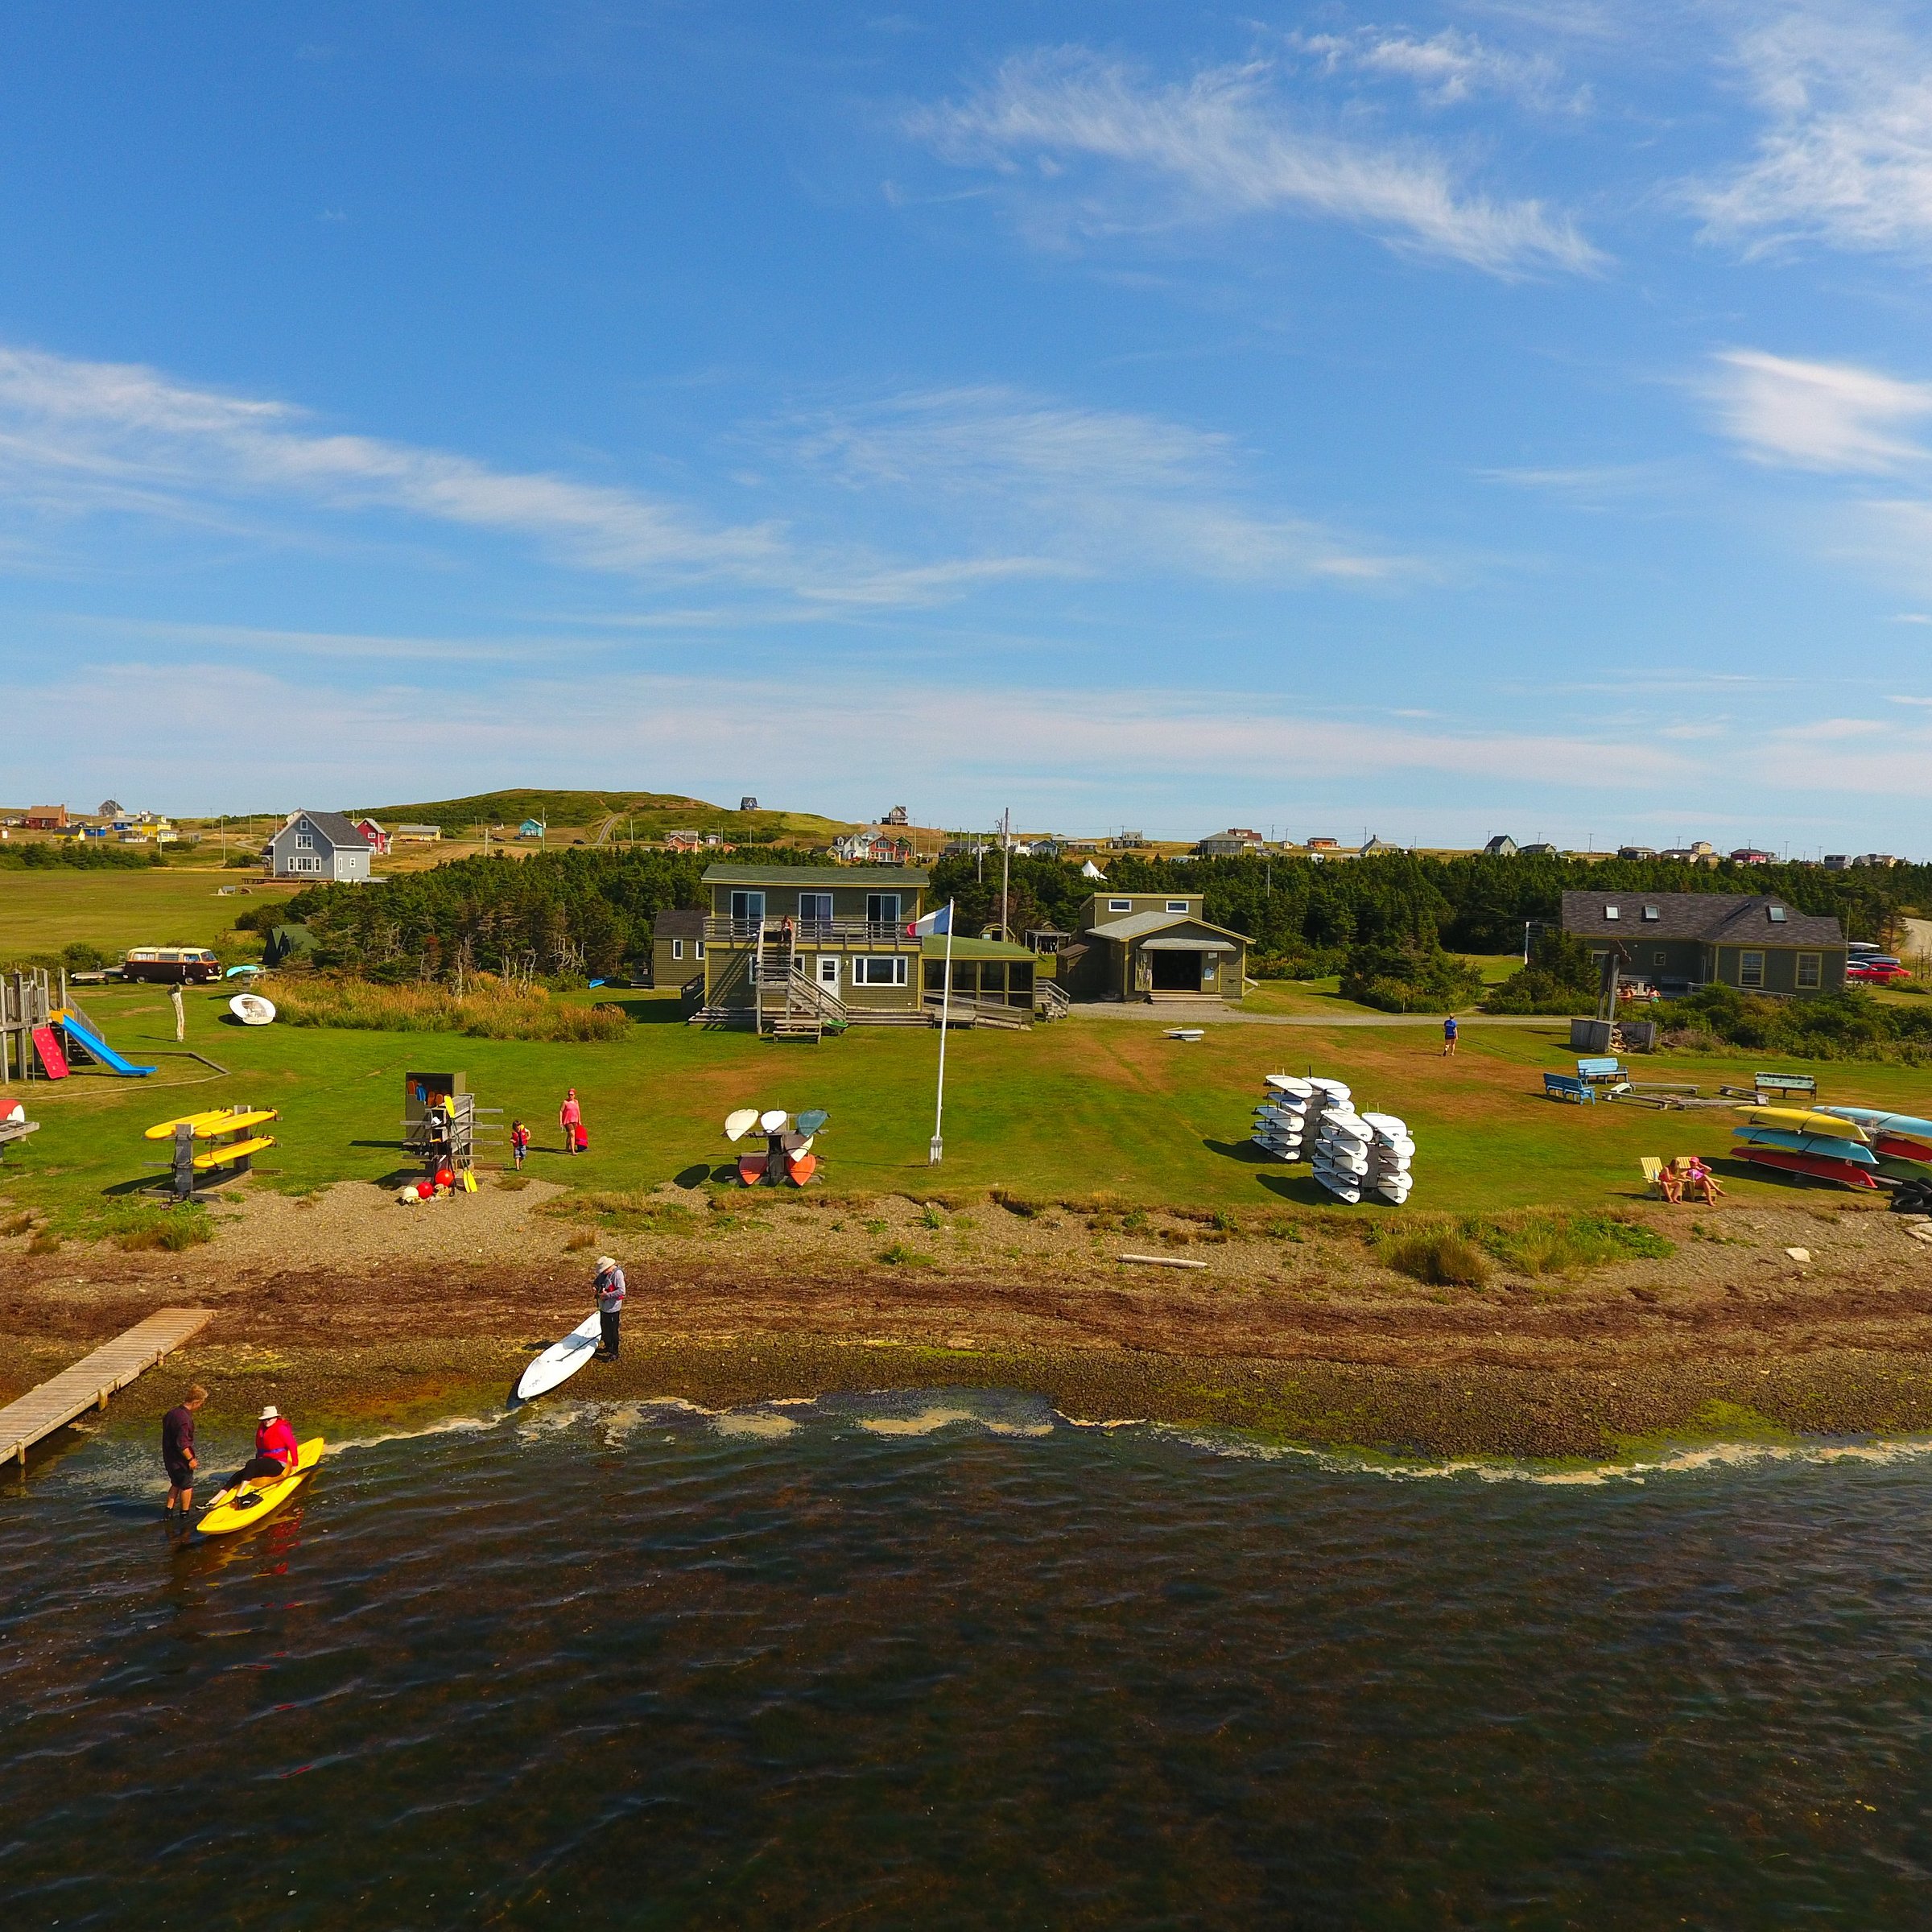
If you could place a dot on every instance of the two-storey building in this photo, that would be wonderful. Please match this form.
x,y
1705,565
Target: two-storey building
x,y
1152,945
319,845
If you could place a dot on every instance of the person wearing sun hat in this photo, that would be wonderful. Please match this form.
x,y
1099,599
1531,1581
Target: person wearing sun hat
x,y
608,1289
276,1450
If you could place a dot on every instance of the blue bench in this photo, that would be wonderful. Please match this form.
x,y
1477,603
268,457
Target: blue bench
x,y
1786,1085
1609,1068
1567,1087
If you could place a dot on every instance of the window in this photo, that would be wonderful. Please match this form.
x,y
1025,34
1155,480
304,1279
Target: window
x,y
882,908
1660,959
1775,914
879,972
1750,969
1650,912
1611,912
1810,971
814,905
1119,905
305,843
992,976
828,969
1177,905
697,949
747,905
677,949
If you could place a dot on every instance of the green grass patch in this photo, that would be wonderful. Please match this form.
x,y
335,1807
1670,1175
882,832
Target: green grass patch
x,y
899,1255
1439,1256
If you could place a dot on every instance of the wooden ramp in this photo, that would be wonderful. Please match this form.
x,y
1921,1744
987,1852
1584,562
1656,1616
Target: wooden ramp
x,y
94,1378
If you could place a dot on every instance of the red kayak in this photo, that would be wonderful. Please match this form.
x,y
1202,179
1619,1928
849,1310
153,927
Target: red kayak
x,y
1900,1148
751,1169
1821,1166
801,1166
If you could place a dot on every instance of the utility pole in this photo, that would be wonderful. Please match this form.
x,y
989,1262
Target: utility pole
x,y
1006,875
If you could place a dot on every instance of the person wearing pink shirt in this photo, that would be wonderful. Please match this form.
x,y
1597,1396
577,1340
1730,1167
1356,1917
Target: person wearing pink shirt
x,y
570,1116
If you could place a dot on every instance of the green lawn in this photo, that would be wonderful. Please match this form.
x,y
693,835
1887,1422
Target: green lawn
x,y
1084,1106
40,912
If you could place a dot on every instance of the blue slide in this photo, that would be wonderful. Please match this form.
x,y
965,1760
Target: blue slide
x,y
92,1044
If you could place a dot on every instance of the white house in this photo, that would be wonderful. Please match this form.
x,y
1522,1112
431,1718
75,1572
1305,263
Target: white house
x,y
319,845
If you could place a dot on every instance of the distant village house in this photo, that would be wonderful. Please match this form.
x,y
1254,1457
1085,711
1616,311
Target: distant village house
x,y
1231,843
377,837
418,834
317,846
46,818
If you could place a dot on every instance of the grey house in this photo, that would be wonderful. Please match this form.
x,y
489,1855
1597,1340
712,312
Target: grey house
x,y
319,845
1677,940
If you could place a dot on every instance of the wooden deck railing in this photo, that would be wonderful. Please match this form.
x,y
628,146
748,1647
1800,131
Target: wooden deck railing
x,y
816,935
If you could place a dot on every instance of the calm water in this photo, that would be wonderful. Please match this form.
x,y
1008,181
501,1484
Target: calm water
x,y
853,1666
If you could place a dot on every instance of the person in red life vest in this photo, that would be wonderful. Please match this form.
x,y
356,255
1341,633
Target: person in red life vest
x,y
608,1288
570,1116
519,1141
276,1450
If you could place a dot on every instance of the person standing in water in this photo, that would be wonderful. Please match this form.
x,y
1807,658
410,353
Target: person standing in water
x,y
178,1454
570,1116
608,1288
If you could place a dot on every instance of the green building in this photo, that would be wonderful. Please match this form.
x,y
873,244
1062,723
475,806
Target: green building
x,y
1152,946
1675,941
797,951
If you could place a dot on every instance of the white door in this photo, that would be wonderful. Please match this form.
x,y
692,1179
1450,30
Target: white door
x,y
828,970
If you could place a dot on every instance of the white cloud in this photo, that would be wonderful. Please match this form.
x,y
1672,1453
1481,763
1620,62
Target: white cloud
x,y
1446,69
1099,490
1818,415
1846,155
1223,146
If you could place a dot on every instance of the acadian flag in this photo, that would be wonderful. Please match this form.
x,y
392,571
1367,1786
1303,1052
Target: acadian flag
x,y
934,921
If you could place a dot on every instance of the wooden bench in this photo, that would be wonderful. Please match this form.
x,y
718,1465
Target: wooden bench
x,y
1567,1087
1784,1085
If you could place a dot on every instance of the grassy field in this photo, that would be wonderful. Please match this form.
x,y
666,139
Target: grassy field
x,y
1083,1107
43,912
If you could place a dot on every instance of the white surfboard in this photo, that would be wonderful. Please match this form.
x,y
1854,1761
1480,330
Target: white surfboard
x,y
561,1361
252,1008
738,1124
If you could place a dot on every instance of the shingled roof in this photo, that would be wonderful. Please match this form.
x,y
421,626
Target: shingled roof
x,y
1719,918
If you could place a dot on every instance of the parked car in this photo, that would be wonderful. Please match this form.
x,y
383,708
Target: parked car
x,y
187,965
1877,972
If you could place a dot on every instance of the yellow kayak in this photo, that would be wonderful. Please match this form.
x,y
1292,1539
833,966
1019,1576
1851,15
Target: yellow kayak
x,y
227,1120
1800,1120
245,1503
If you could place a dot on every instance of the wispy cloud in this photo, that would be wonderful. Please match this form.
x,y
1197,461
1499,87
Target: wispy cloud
x,y
1845,157
1099,489
1818,415
1224,145
1446,69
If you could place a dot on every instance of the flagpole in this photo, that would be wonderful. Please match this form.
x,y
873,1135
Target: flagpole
x,y
936,1152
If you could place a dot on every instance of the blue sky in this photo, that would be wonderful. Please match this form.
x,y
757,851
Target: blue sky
x,y
1432,420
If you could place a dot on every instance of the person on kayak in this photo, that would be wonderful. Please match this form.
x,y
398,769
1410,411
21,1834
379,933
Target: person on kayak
x,y
608,1288
276,1450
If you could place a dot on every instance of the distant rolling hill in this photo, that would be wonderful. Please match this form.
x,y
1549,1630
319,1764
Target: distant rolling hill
x,y
645,815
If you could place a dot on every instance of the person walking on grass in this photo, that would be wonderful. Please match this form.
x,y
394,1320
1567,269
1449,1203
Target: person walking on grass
x,y
1449,1038
519,1143
178,1454
570,1116
608,1289
174,993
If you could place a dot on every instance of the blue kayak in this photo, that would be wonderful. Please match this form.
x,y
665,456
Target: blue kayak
x,y
1829,1146
1910,1126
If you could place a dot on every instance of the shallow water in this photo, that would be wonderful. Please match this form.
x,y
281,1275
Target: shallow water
x,y
943,1660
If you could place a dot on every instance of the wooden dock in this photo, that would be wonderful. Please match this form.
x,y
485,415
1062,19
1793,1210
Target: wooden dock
x,y
94,1378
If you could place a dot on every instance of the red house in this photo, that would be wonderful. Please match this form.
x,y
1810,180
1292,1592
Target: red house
x,y
46,818
378,839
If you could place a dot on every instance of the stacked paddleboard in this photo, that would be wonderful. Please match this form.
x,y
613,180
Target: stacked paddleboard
x,y
1352,1155
1389,1154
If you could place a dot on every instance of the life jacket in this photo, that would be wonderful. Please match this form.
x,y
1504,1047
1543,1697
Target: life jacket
x,y
278,1439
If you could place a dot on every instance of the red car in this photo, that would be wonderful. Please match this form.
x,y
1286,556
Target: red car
x,y
1876,972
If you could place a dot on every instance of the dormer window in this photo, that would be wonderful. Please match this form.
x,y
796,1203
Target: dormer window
x,y
1650,912
1611,912
1776,913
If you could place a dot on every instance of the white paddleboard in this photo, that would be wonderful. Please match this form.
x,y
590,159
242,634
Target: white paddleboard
x,y
738,1124
562,1360
1286,1083
252,1008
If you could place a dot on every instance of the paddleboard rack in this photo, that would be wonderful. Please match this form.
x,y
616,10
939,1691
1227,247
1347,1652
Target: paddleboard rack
x,y
440,1122
209,1149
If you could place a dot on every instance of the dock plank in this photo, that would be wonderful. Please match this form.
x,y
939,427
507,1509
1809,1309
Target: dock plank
x,y
95,1378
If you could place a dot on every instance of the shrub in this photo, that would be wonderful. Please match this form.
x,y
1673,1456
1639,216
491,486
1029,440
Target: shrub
x,y
1561,978
1851,1026
898,1255
1409,976
487,1010
1440,1257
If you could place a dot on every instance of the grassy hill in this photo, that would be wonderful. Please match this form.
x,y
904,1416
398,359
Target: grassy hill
x,y
648,814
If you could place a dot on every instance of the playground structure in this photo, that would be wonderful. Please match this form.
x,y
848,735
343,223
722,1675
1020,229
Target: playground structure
x,y
208,1149
440,1128
39,1035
